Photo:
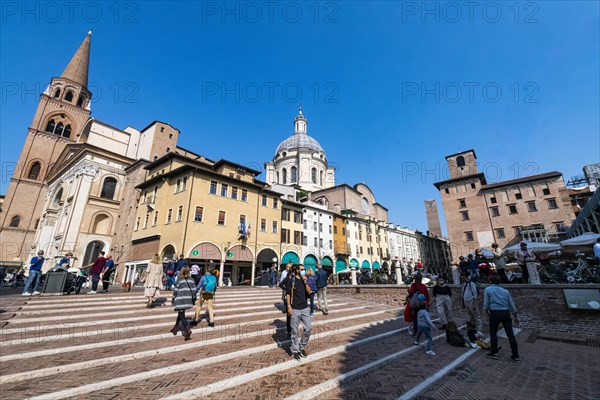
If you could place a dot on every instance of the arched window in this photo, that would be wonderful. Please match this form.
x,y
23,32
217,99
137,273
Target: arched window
x,y
14,222
58,197
69,96
80,101
101,225
51,125
34,171
67,131
284,176
108,188
294,172
57,93
460,161
321,177
277,176
313,173
59,128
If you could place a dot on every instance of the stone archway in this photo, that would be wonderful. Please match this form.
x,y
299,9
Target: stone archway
x,y
92,250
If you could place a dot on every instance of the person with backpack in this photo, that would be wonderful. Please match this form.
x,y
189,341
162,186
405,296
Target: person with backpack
x,y
413,292
169,275
470,293
207,287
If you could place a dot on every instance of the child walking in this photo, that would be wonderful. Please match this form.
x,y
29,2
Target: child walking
x,y
424,325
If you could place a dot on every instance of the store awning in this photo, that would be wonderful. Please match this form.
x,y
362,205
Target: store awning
x,y
340,265
365,265
376,265
290,256
310,262
327,262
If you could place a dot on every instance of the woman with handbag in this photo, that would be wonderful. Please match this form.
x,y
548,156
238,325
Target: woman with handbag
x,y
153,280
184,298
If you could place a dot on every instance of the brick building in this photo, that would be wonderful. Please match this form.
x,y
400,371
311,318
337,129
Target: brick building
x,y
535,208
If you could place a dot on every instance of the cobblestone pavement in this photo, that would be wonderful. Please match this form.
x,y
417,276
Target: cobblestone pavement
x,y
110,346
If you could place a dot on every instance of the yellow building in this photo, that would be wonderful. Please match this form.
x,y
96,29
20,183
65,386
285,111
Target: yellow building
x,y
217,214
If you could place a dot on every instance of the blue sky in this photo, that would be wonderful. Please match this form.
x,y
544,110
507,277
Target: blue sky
x,y
388,88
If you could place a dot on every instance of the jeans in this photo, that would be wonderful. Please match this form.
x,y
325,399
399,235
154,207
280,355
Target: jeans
x,y
322,298
498,317
312,302
474,272
95,280
426,331
168,282
298,344
34,277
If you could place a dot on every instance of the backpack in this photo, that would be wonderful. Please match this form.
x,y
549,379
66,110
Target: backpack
x,y
210,283
414,298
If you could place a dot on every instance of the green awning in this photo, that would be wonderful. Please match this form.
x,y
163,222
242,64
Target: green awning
x,y
310,262
366,265
340,265
290,256
376,265
354,263
327,262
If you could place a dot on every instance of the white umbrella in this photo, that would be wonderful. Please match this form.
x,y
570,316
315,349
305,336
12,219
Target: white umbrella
x,y
588,238
536,247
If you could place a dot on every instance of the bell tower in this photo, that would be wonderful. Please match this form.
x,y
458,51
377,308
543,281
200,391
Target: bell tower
x,y
61,114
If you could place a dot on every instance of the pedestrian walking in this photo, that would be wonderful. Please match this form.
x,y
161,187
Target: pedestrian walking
x,y
195,271
526,260
97,268
272,276
297,293
153,280
500,262
413,292
322,289
169,273
35,274
107,271
207,287
283,285
470,293
443,296
455,274
179,265
498,305
425,325
184,297
311,279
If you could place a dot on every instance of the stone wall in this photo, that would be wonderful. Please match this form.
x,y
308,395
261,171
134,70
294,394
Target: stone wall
x,y
541,307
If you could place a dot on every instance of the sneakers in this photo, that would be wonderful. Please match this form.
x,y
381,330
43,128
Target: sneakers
x,y
211,324
26,294
515,359
303,354
474,346
296,356
312,315
416,343
91,292
430,353
36,293
325,312
493,356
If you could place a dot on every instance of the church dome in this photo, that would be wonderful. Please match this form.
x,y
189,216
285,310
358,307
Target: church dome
x,y
299,141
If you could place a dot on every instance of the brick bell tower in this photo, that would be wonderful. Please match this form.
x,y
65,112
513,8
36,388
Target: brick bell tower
x,y
62,112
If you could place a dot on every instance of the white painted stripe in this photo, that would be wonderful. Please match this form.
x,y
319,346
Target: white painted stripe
x,y
64,309
138,339
7,330
189,366
135,312
44,372
118,332
437,376
333,383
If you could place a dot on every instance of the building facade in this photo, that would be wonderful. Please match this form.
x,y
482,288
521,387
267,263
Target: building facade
x,y
535,208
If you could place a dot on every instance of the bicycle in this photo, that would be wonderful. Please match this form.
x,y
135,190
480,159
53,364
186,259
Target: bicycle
x,y
582,272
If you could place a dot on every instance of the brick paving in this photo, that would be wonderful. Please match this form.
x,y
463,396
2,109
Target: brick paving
x,y
552,366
